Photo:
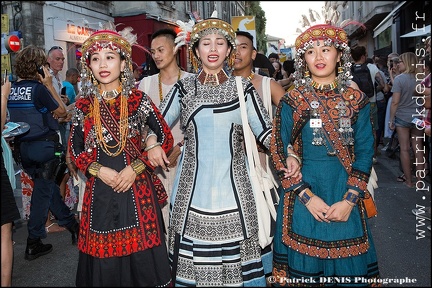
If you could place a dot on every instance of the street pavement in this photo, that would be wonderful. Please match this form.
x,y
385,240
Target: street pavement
x,y
402,240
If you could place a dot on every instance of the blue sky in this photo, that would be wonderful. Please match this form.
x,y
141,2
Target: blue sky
x,y
283,17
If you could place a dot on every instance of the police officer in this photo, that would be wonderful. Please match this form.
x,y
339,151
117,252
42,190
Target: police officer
x,y
39,105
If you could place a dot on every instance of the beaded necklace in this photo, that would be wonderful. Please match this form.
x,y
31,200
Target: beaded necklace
x,y
123,123
160,84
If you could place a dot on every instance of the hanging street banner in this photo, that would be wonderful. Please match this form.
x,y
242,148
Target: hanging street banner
x,y
245,23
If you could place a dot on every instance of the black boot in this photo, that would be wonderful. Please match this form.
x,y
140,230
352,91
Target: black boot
x,y
74,230
35,248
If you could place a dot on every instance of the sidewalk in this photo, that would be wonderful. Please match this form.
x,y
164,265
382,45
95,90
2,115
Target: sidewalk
x,y
56,269
402,241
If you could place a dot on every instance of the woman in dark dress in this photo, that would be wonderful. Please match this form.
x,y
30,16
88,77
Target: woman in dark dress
x,y
121,241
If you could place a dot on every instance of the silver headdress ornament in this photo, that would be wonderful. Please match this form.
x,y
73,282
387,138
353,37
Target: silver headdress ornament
x,y
314,29
119,41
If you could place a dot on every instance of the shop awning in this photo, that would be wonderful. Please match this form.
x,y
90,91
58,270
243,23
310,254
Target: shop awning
x,y
388,21
419,32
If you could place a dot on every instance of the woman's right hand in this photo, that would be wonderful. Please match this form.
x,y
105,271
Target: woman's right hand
x,y
318,208
108,176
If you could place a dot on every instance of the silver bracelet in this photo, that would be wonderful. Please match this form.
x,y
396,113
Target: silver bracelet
x,y
152,146
296,157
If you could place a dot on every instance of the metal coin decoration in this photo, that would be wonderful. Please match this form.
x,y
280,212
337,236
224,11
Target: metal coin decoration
x,y
345,128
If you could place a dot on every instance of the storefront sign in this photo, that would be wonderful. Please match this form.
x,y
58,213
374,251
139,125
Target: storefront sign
x,y
72,32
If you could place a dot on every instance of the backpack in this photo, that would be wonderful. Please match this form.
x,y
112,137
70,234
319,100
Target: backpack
x,y
361,75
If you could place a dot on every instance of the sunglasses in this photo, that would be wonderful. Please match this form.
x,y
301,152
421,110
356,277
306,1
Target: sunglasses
x,y
55,48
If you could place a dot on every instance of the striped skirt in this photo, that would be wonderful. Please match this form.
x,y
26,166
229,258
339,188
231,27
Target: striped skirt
x,y
235,264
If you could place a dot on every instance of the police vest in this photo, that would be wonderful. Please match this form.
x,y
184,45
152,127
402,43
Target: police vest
x,y
25,105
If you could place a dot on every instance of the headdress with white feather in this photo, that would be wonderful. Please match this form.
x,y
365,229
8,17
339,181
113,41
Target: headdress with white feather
x,y
322,28
210,26
109,38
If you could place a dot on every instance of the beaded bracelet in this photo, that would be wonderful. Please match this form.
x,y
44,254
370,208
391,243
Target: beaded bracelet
x,y
138,166
152,146
306,197
296,157
94,168
351,198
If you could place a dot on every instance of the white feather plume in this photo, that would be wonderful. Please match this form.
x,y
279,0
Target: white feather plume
x,y
183,37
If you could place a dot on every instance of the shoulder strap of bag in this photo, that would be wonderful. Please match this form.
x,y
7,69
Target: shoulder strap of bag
x,y
246,129
251,148
267,95
266,89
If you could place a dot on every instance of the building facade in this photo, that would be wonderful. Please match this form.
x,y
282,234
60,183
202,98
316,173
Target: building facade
x,y
391,26
68,23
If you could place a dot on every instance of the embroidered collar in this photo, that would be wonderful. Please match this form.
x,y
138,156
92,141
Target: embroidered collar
x,y
212,79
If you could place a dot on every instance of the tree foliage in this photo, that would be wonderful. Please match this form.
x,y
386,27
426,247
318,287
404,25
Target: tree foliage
x,y
253,8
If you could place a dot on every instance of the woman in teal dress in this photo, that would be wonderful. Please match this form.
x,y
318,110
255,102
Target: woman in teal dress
x,y
322,234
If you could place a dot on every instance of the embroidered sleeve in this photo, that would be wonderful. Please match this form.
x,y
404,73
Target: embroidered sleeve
x,y
281,135
363,151
82,151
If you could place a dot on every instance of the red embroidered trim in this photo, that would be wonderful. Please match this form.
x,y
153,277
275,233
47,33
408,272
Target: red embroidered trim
x,y
317,248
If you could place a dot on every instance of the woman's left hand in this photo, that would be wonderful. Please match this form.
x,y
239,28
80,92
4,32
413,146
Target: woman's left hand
x,y
339,211
125,179
293,169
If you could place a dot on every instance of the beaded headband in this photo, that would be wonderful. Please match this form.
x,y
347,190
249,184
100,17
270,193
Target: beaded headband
x,y
321,32
108,38
105,39
214,25
210,26
327,34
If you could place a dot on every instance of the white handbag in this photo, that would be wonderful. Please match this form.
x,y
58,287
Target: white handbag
x,y
262,182
373,182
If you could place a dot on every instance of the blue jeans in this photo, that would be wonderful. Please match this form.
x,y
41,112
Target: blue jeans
x,y
402,123
46,194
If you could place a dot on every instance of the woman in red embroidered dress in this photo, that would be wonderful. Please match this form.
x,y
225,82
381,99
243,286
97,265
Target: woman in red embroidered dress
x,y
121,240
